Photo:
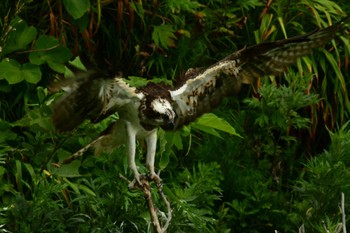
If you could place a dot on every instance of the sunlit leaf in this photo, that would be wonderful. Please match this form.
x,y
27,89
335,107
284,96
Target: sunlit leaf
x,y
136,81
206,129
209,122
59,68
77,63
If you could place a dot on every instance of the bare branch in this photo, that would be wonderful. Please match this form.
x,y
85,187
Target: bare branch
x,y
343,211
302,229
167,204
146,189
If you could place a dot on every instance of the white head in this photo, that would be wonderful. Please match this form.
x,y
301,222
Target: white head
x,y
158,112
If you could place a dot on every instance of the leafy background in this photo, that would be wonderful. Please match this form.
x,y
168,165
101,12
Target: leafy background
x,y
282,160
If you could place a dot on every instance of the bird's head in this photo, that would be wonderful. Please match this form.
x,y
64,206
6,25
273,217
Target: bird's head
x,y
158,112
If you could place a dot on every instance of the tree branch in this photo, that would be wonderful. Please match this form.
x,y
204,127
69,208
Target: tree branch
x,y
146,189
343,211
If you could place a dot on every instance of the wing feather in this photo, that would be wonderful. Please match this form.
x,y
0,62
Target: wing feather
x,y
203,90
92,96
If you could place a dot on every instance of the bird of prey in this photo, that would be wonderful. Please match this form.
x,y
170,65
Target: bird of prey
x,y
142,111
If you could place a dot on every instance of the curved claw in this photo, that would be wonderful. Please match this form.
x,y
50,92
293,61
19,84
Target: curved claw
x,y
156,178
136,182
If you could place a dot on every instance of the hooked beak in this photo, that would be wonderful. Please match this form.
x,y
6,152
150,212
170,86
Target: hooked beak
x,y
169,125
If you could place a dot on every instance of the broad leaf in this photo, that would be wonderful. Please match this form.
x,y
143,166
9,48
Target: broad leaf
x,y
19,37
208,130
48,49
209,123
76,8
78,64
59,68
10,70
31,73
67,170
13,72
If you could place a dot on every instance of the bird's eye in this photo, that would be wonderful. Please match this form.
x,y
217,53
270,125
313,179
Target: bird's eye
x,y
165,117
157,115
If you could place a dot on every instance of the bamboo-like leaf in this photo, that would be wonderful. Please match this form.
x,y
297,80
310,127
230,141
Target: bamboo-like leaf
x,y
338,73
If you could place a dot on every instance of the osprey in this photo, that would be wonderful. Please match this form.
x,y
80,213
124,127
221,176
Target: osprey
x,y
143,110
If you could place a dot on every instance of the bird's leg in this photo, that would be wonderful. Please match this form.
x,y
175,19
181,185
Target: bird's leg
x,y
151,141
131,134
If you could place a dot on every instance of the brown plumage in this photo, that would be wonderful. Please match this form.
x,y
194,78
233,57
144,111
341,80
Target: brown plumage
x,y
205,88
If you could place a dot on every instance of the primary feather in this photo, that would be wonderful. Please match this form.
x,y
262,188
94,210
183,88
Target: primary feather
x,y
204,89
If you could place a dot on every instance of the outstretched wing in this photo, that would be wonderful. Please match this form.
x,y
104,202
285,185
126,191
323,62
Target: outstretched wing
x,y
205,88
91,96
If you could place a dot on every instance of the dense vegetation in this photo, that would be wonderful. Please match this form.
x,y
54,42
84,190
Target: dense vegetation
x,y
287,168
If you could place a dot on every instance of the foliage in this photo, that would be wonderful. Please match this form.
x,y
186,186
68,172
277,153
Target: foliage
x,y
324,178
268,178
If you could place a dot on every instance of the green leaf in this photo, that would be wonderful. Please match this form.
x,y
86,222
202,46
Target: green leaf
x,y
14,73
335,67
31,73
135,81
208,130
5,132
164,160
10,70
77,64
67,170
209,123
87,190
5,87
59,68
76,8
38,118
47,49
163,35
183,5
165,144
19,37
